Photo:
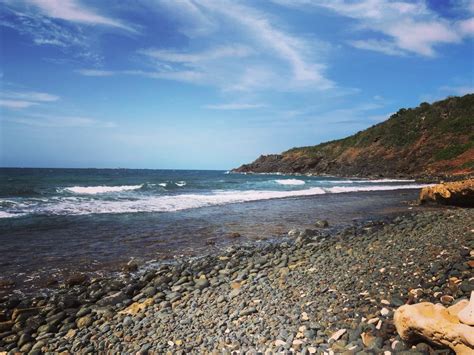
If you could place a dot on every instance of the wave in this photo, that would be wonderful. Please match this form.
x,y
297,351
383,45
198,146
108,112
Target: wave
x,y
163,184
171,203
180,183
290,182
340,189
94,190
4,214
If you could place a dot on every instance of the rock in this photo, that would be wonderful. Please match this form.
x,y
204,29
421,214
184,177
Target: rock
x,y
294,233
384,312
436,324
248,311
84,322
321,223
446,299
235,235
201,283
131,266
466,315
76,279
459,193
137,307
337,335
113,299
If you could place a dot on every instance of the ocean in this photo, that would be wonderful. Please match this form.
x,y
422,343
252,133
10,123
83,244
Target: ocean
x,y
57,221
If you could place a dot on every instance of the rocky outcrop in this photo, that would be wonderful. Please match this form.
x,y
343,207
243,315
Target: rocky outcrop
x,y
436,324
432,140
460,193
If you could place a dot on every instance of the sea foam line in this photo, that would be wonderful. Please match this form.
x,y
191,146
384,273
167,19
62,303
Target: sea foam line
x,y
94,190
290,182
173,203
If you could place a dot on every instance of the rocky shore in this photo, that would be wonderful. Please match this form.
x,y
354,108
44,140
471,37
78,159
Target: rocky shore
x,y
315,291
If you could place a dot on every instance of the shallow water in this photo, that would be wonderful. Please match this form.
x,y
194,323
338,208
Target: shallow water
x,y
60,221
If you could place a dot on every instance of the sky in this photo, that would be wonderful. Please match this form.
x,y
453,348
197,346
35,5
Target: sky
x,y
212,84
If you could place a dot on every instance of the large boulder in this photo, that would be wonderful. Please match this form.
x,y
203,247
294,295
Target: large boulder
x,y
436,324
459,193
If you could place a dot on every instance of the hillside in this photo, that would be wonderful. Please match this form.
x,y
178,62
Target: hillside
x,y
431,140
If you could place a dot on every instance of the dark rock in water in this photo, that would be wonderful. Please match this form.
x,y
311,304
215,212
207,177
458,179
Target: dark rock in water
x,y
76,279
131,266
321,223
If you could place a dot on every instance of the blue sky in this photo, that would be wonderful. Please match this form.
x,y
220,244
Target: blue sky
x,y
211,84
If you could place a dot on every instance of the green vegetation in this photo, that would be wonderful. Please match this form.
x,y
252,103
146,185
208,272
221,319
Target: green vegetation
x,y
452,118
452,151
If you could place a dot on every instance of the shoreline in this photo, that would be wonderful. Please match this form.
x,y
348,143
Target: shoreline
x,y
35,259
292,294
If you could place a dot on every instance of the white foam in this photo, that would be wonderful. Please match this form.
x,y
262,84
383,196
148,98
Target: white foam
x,y
163,184
180,183
4,214
376,181
169,203
290,182
339,189
94,190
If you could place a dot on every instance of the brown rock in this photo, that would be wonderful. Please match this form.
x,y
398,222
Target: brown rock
x,y
459,193
436,324
136,307
76,279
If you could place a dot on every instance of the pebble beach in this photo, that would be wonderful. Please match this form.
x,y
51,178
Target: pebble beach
x,y
315,291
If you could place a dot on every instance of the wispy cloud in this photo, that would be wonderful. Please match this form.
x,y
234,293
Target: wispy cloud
x,y
234,106
408,27
16,104
458,90
263,55
50,121
21,100
72,10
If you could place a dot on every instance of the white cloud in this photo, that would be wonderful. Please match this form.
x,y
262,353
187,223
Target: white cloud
x,y
234,106
16,104
30,96
95,72
408,27
458,90
262,55
466,27
72,10
216,53
60,121
378,46
20,100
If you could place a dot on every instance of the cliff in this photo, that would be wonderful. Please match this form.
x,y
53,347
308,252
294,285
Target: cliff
x,y
431,140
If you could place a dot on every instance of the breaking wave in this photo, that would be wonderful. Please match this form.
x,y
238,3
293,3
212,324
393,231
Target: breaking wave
x,y
290,182
94,190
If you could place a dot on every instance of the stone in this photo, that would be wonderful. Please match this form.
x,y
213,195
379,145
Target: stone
x,y
76,279
201,284
113,299
137,307
459,193
466,315
321,223
337,335
84,322
384,312
436,324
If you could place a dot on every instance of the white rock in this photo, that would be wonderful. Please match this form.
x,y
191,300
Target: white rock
x,y
337,335
384,311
